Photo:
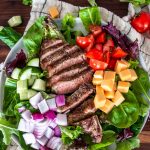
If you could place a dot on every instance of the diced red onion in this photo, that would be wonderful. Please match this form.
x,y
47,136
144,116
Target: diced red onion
x,y
50,115
52,124
29,138
49,133
26,115
21,109
57,131
60,100
36,145
51,104
35,100
43,140
44,148
43,107
61,119
37,117
54,142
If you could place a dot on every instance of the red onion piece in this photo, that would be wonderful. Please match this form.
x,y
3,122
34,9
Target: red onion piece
x,y
26,115
43,140
60,100
50,115
52,124
54,142
37,117
49,133
29,138
36,146
51,104
43,107
61,119
57,131
21,109
44,148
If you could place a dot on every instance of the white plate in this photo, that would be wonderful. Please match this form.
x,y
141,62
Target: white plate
x,y
19,45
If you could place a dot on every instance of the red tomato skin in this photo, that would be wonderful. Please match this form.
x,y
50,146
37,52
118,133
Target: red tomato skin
x,y
91,37
141,22
110,43
97,65
106,48
119,53
106,57
112,63
101,38
95,30
95,54
99,47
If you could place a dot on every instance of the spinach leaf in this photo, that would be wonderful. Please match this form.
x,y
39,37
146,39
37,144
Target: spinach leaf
x,y
27,2
9,36
2,145
126,113
109,137
129,144
11,98
70,133
90,16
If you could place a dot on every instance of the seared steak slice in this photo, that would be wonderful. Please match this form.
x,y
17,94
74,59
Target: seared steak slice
x,y
76,58
67,73
92,126
65,87
77,97
86,109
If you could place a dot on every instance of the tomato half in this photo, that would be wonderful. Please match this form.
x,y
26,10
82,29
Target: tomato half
x,y
101,38
119,53
95,29
94,54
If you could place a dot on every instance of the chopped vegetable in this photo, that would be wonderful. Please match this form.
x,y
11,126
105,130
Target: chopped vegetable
x,y
39,85
43,140
15,73
57,131
119,53
54,142
49,133
37,117
35,62
53,11
26,115
51,104
27,2
50,115
29,138
95,30
101,38
43,107
61,119
15,21
60,100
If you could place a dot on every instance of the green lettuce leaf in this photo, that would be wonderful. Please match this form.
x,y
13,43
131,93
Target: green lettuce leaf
x,y
3,146
27,2
126,113
9,36
90,16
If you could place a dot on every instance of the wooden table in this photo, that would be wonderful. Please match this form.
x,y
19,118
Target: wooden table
x,y
9,8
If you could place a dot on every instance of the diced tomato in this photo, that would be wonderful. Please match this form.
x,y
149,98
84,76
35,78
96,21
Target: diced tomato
x,y
91,37
98,65
106,48
101,38
119,53
83,42
95,29
95,54
110,43
106,57
112,64
99,47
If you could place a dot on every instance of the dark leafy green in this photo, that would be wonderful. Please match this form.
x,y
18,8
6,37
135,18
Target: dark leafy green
x,y
70,133
108,138
27,2
129,144
9,36
126,113
90,16
2,145
133,64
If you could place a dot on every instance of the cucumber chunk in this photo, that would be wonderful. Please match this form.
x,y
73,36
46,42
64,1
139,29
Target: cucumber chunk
x,y
15,73
31,93
15,21
34,62
23,95
31,80
39,85
1,28
22,85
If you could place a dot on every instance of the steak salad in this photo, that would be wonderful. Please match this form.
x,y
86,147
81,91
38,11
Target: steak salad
x,y
75,91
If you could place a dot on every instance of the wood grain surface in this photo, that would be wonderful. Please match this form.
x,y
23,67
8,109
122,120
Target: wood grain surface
x,y
9,8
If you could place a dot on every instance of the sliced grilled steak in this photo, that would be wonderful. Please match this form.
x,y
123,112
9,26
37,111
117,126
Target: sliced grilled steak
x,y
86,109
77,97
76,58
92,126
65,87
67,73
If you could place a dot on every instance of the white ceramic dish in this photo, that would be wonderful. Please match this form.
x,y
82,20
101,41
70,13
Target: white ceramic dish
x,y
19,45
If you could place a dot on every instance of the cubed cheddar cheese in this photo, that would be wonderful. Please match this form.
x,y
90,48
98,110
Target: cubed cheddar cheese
x,y
107,85
123,87
99,89
125,75
99,74
120,66
53,11
110,94
125,62
96,81
107,107
118,99
133,75
109,75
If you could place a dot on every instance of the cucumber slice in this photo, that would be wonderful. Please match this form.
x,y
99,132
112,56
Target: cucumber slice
x,y
39,85
34,62
15,21
22,85
31,80
31,93
15,73
1,28
24,95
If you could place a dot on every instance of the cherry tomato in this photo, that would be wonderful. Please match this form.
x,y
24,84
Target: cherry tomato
x,y
91,37
106,57
99,47
141,22
101,38
110,43
106,48
95,29
119,53
95,54
98,65
112,64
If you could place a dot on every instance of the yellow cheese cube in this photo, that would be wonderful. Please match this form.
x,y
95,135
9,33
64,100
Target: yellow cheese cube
x,y
118,99
107,107
96,81
99,100
125,62
110,94
123,86
115,86
120,66
53,11
125,75
107,85
99,89
109,75
99,74
133,75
